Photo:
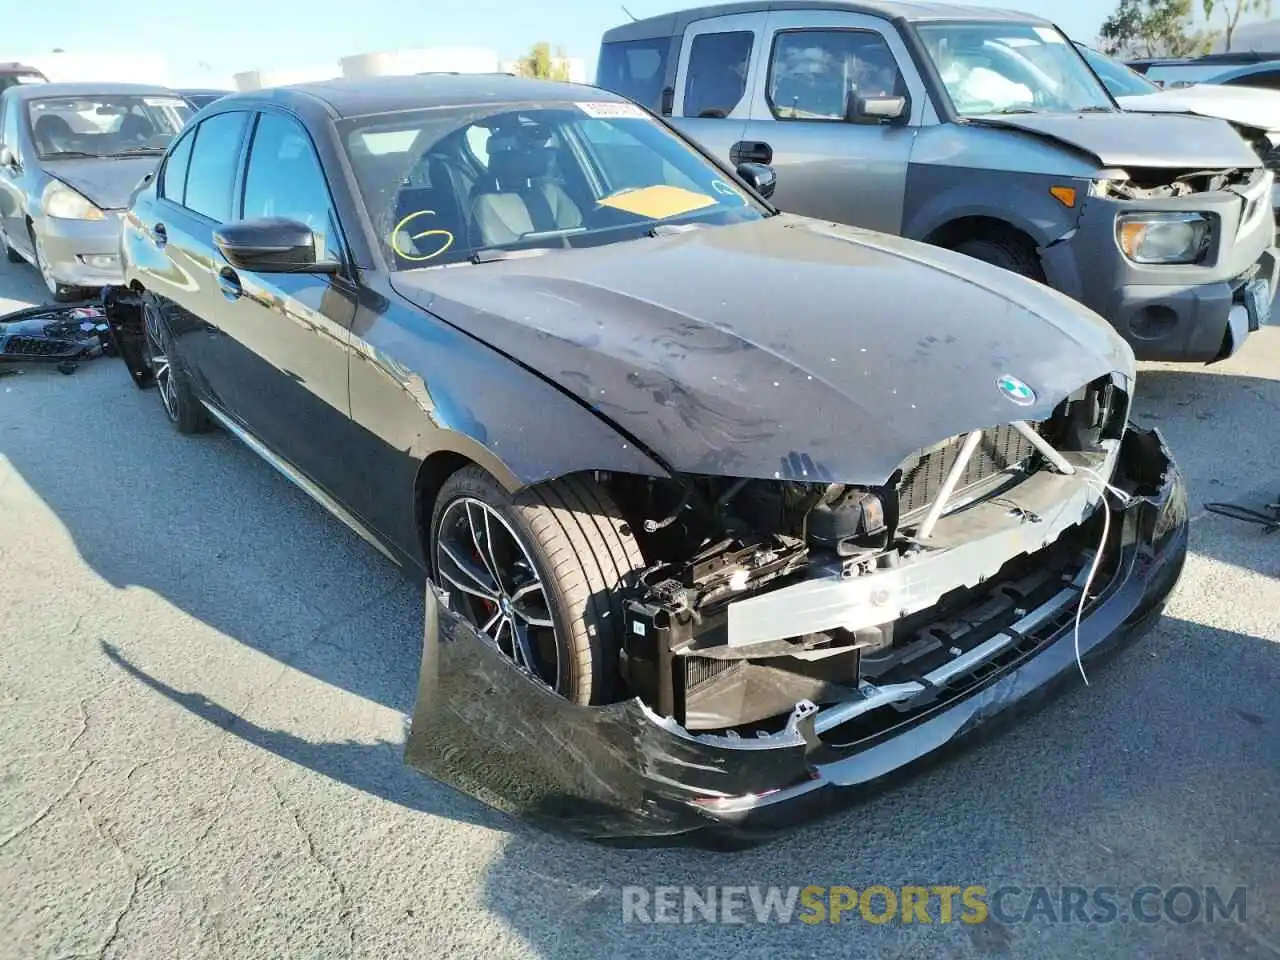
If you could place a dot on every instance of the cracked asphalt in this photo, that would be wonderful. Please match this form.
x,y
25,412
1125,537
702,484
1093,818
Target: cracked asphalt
x,y
205,684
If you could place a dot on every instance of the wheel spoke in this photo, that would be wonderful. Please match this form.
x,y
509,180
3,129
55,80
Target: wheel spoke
x,y
475,539
493,563
492,622
520,645
479,588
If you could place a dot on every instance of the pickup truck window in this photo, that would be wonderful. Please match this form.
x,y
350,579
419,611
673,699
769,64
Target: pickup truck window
x,y
812,72
1011,68
717,73
636,69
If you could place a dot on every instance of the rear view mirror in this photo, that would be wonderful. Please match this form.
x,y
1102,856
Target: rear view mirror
x,y
271,245
760,177
875,109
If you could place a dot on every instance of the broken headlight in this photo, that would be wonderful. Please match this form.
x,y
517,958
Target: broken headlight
x,y
1163,237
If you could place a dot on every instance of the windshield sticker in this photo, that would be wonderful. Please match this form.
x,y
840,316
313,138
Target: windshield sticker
x,y
722,188
406,245
658,202
612,111
1049,35
163,102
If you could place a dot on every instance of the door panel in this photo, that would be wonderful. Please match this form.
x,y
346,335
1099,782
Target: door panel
x,y
852,173
711,71
285,336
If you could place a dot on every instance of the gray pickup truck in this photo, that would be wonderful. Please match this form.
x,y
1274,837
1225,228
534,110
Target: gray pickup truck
x,y
979,130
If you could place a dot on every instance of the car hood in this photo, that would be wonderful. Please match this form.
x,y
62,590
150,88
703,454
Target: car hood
x,y
108,182
779,348
1246,106
1119,140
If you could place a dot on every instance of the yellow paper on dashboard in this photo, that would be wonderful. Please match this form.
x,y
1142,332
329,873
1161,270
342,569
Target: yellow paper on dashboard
x,y
658,202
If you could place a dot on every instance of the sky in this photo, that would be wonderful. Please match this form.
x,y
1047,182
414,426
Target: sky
x,y
212,40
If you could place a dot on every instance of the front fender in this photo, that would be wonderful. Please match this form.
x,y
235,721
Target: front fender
x,y
941,195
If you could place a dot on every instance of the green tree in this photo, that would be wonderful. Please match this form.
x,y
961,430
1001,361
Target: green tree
x,y
1156,28
541,63
1232,11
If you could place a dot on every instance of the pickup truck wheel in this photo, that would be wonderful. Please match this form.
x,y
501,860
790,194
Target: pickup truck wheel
x,y
540,574
176,395
1012,253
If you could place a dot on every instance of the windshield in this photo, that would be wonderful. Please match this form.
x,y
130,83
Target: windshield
x,y
1119,80
1011,68
456,184
104,126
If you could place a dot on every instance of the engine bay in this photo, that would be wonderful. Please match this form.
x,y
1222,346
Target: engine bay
x,y
791,553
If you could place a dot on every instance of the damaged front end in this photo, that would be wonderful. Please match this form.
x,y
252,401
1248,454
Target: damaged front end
x,y
55,333
821,636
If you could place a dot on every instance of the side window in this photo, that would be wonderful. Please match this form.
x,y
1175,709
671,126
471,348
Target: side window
x,y
636,69
812,72
285,179
211,173
173,181
716,76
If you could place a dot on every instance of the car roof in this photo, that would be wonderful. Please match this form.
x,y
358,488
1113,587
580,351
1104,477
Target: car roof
x,y
345,98
670,24
14,67
43,90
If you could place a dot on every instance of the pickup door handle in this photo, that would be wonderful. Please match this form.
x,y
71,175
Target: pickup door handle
x,y
229,283
160,235
750,151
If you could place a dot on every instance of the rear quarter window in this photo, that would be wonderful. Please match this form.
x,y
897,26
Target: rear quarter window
x,y
636,69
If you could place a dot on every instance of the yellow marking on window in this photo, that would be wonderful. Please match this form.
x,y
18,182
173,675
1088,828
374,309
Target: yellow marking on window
x,y
445,243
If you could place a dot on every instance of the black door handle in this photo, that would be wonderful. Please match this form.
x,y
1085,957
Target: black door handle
x,y
229,283
160,235
750,151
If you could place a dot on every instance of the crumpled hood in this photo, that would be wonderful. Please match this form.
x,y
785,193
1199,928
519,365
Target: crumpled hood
x,y
779,348
108,182
1118,139
1247,106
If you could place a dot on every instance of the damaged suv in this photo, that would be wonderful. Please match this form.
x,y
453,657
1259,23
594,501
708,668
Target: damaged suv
x,y
722,509
983,131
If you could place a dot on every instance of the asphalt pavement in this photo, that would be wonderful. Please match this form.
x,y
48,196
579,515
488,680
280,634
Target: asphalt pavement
x,y
205,683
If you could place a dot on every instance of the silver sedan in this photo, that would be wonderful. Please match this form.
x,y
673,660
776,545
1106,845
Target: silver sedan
x,y
71,155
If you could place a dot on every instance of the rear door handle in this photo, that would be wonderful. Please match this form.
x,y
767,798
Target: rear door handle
x,y
229,283
750,151
160,235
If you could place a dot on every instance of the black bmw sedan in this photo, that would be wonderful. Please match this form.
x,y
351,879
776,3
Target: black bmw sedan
x,y
723,512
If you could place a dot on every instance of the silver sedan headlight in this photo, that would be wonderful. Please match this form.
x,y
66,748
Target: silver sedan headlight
x,y
1163,237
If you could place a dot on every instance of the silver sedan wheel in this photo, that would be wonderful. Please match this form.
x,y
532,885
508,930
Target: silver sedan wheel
x,y
483,564
45,271
161,369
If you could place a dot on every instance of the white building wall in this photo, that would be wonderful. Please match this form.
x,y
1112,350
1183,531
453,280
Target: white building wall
x,y
257,79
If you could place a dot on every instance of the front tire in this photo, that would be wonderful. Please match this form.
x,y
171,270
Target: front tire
x,y
540,573
1010,253
61,292
10,252
172,384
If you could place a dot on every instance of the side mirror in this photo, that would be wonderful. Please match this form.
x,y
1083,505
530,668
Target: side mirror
x,y
760,177
8,159
271,245
875,109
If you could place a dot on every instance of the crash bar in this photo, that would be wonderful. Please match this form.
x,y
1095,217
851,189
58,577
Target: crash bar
x,y
1044,446
949,485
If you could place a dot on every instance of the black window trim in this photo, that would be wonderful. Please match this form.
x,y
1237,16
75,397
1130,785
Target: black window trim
x,y
746,79
768,79
335,218
240,154
164,166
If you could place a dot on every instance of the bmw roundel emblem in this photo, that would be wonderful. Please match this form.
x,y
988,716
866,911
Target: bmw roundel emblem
x,y
1015,390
